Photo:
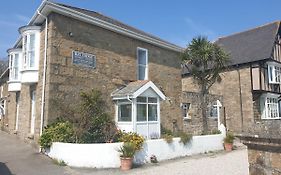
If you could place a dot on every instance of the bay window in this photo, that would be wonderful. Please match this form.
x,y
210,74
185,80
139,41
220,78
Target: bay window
x,y
29,51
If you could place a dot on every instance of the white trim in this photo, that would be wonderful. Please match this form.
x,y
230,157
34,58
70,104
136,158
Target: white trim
x,y
149,84
145,66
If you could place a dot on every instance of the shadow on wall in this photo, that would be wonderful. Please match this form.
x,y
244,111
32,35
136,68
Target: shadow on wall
x,y
4,170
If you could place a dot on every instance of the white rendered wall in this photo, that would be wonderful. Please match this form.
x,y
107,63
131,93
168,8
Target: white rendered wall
x,y
105,155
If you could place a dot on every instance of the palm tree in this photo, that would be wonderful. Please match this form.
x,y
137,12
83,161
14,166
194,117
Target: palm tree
x,y
204,61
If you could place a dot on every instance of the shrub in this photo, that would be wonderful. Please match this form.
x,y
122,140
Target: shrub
x,y
133,138
216,131
165,131
185,138
229,138
57,132
168,138
128,149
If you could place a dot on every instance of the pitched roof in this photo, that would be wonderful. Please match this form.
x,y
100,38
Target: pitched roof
x,y
251,45
134,89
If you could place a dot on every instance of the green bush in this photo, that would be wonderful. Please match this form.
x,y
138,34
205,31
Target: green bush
x,y
229,138
216,131
57,132
131,137
168,138
128,149
185,138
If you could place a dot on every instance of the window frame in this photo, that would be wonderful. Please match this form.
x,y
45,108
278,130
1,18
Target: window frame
x,y
145,66
270,107
119,103
274,73
186,109
14,68
147,104
29,52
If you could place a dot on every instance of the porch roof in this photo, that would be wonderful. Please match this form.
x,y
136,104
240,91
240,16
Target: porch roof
x,y
136,88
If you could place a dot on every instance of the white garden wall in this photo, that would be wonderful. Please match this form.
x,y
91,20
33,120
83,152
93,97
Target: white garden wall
x,y
105,155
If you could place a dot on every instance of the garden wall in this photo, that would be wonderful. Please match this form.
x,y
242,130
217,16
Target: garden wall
x,y
105,155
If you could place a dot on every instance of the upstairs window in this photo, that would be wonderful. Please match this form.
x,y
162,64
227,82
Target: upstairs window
x,y
29,51
14,66
142,57
274,73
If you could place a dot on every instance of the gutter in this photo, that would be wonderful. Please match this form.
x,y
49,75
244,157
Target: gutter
x,y
44,73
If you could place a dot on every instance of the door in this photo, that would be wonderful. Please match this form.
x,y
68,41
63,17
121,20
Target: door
x,y
32,123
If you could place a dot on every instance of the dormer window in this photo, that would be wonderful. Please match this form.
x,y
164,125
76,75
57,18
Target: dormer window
x,y
274,73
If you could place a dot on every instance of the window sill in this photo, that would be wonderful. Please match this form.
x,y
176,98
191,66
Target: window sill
x,y
187,118
25,70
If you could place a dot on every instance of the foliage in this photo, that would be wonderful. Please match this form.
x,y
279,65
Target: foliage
x,y
185,138
216,131
91,123
128,149
229,138
168,138
59,162
153,159
57,132
165,131
131,137
204,61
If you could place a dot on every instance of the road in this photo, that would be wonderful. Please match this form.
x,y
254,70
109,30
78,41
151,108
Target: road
x,y
19,158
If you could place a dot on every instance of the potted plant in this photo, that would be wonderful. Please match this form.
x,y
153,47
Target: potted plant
x,y
228,141
127,151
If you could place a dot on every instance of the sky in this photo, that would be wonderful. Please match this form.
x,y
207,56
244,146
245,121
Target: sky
x,y
176,21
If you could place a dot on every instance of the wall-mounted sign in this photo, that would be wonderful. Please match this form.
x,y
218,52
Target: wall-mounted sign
x,y
84,59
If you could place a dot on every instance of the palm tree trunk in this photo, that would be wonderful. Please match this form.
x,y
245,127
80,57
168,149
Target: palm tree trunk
x,y
203,99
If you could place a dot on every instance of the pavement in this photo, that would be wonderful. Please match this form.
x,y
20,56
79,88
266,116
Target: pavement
x,y
19,158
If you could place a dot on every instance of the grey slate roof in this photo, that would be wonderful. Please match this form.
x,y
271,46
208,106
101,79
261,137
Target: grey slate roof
x,y
112,21
129,90
251,45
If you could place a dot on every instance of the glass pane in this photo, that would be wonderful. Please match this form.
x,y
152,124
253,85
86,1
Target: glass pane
x,y
152,112
141,99
141,112
142,57
270,73
31,55
125,112
152,100
141,72
32,42
16,61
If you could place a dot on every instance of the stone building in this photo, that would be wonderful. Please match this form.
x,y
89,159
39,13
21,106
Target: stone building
x,y
250,94
64,50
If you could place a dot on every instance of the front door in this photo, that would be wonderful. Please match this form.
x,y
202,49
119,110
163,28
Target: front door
x,y
32,124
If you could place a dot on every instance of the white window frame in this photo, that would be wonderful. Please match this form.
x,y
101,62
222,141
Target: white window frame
x,y
274,70
270,106
28,51
147,108
142,65
118,112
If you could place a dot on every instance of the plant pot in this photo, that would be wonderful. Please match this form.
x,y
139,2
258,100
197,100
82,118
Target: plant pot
x,y
126,163
228,146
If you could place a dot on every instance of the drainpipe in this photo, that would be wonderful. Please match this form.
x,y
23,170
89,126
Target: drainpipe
x,y
44,74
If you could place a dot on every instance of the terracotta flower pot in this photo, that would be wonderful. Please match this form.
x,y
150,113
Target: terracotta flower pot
x,y
126,163
228,146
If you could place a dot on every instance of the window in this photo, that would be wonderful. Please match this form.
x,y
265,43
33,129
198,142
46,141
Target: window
x,y
142,64
185,109
14,66
147,109
124,111
274,73
270,107
29,51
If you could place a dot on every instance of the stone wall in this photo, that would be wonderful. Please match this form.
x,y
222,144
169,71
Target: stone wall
x,y
116,65
237,97
195,124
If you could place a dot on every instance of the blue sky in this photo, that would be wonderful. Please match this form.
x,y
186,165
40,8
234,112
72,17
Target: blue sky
x,y
176,21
